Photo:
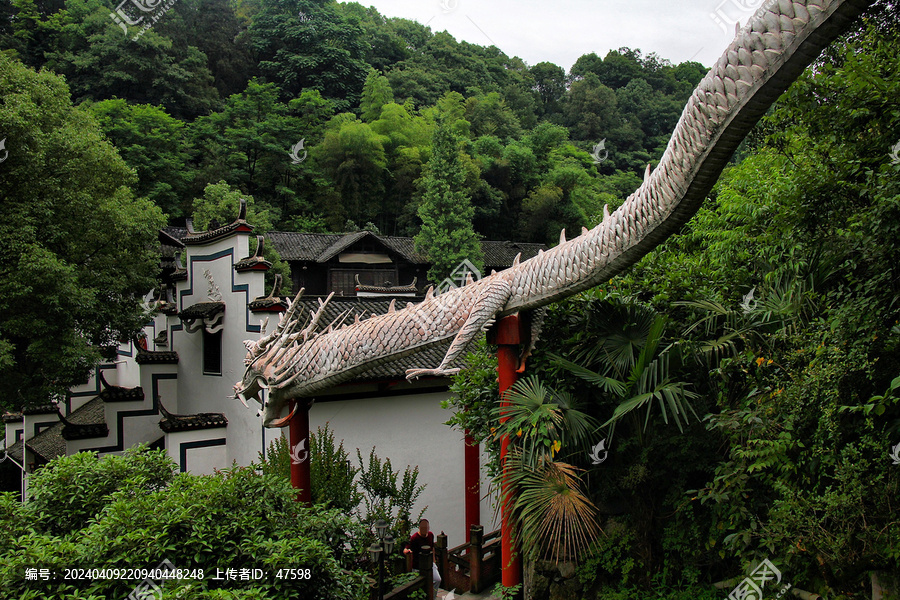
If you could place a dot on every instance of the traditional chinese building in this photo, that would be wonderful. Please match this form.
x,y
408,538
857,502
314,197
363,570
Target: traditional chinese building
x,y
172,388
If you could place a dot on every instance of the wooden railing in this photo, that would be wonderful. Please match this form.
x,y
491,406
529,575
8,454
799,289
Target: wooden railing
x,y
424,581
469,567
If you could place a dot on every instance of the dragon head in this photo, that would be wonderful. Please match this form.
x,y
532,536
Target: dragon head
x,y
251,385
272,362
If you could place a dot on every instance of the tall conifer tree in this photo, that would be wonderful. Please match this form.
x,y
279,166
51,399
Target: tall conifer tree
x,y
447,236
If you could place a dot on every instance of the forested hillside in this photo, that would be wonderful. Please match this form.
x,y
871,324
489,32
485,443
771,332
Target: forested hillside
x,y
744,377
221,90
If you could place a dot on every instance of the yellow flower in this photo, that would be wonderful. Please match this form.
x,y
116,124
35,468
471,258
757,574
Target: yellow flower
x,y
556,446
519,433
760,361
769,362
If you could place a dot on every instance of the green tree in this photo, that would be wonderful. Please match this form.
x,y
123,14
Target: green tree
x,y
554,516
310,44
353,166
447,236
80,249
249,143
220,204
624,344
590,110
489,115
550,85
406,150
216,30
152,143
100,63
376,93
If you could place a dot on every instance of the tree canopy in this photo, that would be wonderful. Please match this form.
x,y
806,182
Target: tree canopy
x,y
80,248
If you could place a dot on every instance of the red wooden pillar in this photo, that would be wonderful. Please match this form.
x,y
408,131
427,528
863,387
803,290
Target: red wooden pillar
x,y
472,482
507,337
299,442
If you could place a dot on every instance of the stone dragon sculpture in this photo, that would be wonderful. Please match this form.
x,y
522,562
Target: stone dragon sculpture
x,y
300,359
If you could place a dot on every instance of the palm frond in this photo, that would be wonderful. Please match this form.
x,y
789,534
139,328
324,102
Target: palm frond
x,y
607,384
555,517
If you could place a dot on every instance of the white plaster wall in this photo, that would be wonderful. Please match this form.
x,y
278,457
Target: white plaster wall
x,y
128,372
202,460
37,422
198,393
409,430
82,394
14,431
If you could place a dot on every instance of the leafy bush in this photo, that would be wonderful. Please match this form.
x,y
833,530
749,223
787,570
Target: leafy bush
x,y
71,490
375,494
236,519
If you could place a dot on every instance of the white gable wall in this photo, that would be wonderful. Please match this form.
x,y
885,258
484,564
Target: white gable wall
x,y
409,430
198,392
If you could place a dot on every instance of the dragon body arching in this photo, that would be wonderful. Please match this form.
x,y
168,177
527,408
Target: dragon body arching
x,y
300,359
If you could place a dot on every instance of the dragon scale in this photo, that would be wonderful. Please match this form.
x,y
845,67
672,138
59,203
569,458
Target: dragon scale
x,y
783,37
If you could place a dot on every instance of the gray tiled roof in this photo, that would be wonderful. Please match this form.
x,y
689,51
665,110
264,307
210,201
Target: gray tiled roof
x,y
88,421
12,417
172,422
321,247
158,357
15,451
49,443
202,310
43,409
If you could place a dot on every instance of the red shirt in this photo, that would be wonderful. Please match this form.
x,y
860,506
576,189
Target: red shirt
x,y
416,541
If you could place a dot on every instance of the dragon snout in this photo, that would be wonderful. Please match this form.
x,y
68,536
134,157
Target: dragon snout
x,y
251,389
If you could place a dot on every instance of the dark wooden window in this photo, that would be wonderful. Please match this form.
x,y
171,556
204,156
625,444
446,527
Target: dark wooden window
x,y
343,281
212,353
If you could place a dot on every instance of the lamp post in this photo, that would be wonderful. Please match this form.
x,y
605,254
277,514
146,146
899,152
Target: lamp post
x,y
378,550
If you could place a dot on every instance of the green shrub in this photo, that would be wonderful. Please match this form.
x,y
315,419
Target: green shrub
x,y
236,519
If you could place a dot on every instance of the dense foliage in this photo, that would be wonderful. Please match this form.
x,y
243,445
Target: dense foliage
x,y
68,288
134,511
218,90
767,331
369,492
781,329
